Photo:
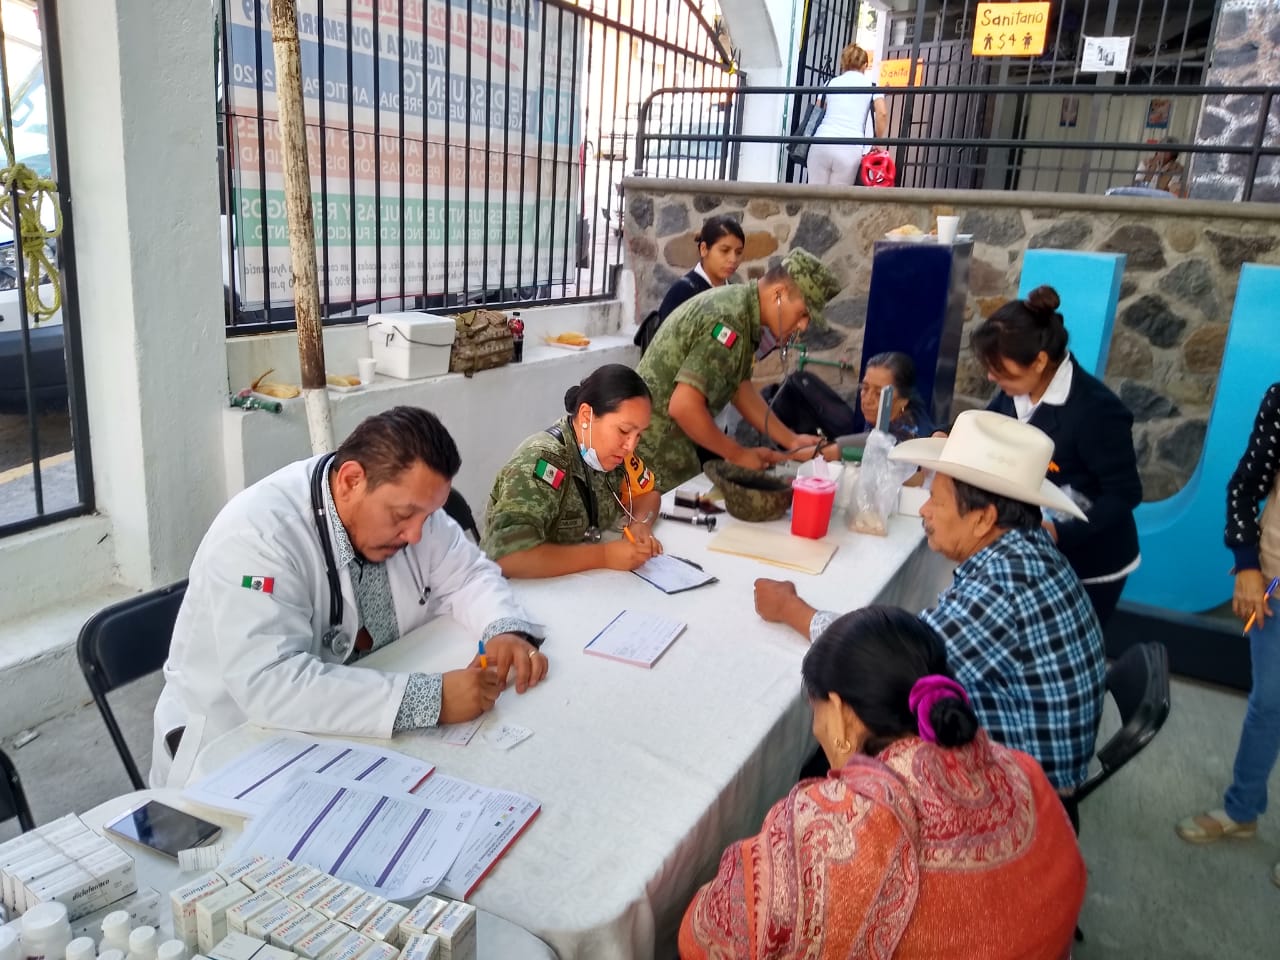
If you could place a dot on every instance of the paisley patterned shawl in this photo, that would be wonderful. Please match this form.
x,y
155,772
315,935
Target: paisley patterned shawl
x,y
841,865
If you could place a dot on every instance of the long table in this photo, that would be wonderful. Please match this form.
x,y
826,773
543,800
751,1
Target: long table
x,y
645,775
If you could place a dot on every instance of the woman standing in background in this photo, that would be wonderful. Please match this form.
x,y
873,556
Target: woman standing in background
x,y
846,116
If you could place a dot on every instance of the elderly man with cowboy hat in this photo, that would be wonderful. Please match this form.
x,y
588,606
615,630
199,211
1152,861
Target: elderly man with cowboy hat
x,y
1020,632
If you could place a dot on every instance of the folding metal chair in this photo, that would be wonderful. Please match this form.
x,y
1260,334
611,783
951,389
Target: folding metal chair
x,y
1139,683
13,799
123,642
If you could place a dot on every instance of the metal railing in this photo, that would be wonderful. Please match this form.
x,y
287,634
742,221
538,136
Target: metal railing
x,y
45,468
1041,162
462,151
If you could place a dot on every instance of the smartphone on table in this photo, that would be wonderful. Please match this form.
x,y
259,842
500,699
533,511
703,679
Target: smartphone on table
x,y
163,828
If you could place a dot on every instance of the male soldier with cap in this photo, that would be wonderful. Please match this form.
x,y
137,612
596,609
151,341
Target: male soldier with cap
x,y
701,359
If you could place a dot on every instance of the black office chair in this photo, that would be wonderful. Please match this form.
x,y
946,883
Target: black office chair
x,y
1139,683
123,642
13,799
457,508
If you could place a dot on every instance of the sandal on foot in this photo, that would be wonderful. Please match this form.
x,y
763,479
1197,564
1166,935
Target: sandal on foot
x,y
1212,826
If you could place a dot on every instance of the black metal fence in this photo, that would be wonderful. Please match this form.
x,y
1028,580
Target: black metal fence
x,y
45,470
1031,161
462,151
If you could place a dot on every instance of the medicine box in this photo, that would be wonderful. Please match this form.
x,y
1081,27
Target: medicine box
x,y
143,908
349,947
421,916
183,902
244,911
384,925
321,940
235,869
235,946
274,916
381,951
211,914
456,929
421,946
410,346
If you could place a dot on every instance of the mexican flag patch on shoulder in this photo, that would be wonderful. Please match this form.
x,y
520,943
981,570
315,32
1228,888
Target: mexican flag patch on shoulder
x,y
261,584
551,476
724,335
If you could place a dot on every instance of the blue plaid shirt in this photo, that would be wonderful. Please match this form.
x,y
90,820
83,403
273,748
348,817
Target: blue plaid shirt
x,y
1023,640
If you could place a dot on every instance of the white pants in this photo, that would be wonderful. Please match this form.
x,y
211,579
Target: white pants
x,y
834,163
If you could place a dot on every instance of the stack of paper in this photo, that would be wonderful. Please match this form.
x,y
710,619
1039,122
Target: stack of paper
x,y
780,549
372,817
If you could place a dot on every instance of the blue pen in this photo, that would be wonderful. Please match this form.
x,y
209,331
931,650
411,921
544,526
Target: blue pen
x,y
484,660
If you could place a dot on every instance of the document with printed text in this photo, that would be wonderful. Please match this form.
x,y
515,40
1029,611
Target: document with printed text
x,y
253,781
503,816
398,846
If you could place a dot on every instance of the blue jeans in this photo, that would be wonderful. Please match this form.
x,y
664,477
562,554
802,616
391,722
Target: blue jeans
x,y
1246,798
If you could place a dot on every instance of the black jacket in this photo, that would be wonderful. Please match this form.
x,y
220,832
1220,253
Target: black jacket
x,y
1093,449
686,288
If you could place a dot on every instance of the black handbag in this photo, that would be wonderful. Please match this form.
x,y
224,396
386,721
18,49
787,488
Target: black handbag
x,y
812,119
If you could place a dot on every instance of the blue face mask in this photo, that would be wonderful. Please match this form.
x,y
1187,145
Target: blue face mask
x,y
589,455
768,343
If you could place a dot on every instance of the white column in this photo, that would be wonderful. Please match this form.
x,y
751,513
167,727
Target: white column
x,y
767,34
141,139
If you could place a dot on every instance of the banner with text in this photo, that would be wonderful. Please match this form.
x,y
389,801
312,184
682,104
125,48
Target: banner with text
x,y
453,134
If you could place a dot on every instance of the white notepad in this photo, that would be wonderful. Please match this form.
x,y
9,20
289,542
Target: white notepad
x,y
672,574
634,637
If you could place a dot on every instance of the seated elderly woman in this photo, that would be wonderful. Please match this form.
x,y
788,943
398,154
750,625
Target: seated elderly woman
x,y
925,840
807,400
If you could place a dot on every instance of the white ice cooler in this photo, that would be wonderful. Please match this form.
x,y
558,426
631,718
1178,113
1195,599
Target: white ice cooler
x,y
410,346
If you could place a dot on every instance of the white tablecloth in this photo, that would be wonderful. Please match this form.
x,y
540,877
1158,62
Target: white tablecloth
x,y
646,775
496,939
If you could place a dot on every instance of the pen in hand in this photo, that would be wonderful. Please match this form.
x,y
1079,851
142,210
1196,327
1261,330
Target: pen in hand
x,y
1271,588
484,659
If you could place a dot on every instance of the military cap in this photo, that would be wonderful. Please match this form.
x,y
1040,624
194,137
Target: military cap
x,y
814,278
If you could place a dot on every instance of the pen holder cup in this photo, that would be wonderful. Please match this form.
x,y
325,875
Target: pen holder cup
x,y
811,503
750,495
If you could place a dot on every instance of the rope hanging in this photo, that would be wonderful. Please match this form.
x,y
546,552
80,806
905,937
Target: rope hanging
x,y
28,191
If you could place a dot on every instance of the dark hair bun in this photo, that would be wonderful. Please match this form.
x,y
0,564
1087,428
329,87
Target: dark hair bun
x,y
571,398
953,721
1044,300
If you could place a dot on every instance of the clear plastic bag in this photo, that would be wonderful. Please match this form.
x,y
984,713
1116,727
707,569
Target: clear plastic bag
x,y
876,493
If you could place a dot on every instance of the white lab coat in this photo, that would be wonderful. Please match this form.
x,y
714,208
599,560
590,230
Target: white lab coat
x,y
240,655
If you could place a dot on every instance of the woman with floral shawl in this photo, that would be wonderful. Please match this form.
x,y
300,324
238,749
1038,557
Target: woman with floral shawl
x,y
925,840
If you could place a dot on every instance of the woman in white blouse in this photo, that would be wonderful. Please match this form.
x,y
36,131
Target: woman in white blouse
x,y
846,116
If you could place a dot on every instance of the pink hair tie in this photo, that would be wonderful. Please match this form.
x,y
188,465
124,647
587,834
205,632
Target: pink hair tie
x,y
927,691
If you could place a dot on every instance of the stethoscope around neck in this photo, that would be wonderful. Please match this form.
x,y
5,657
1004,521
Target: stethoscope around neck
x,y
335,638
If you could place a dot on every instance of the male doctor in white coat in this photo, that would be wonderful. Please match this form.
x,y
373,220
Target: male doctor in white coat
x,y
308,570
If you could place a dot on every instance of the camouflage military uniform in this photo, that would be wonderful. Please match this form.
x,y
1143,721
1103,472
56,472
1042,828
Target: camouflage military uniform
x,y
709,343
537,497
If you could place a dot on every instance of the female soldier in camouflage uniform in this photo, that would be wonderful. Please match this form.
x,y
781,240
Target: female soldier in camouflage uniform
x,y
565,486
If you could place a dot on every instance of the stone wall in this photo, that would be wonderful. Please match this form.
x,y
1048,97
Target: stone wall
x,y
1183,263
1245,52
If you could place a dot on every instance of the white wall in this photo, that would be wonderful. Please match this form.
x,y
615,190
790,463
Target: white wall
x,y
488,414
767,33
142,155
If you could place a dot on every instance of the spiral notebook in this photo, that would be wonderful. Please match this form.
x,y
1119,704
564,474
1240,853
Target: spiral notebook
x,y
635,637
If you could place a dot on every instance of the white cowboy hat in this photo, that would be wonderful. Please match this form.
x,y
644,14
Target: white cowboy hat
x,y
996,453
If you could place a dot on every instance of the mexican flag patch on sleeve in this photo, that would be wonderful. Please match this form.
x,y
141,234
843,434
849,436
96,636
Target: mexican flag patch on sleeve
x,y
551,476
261,584
724,335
